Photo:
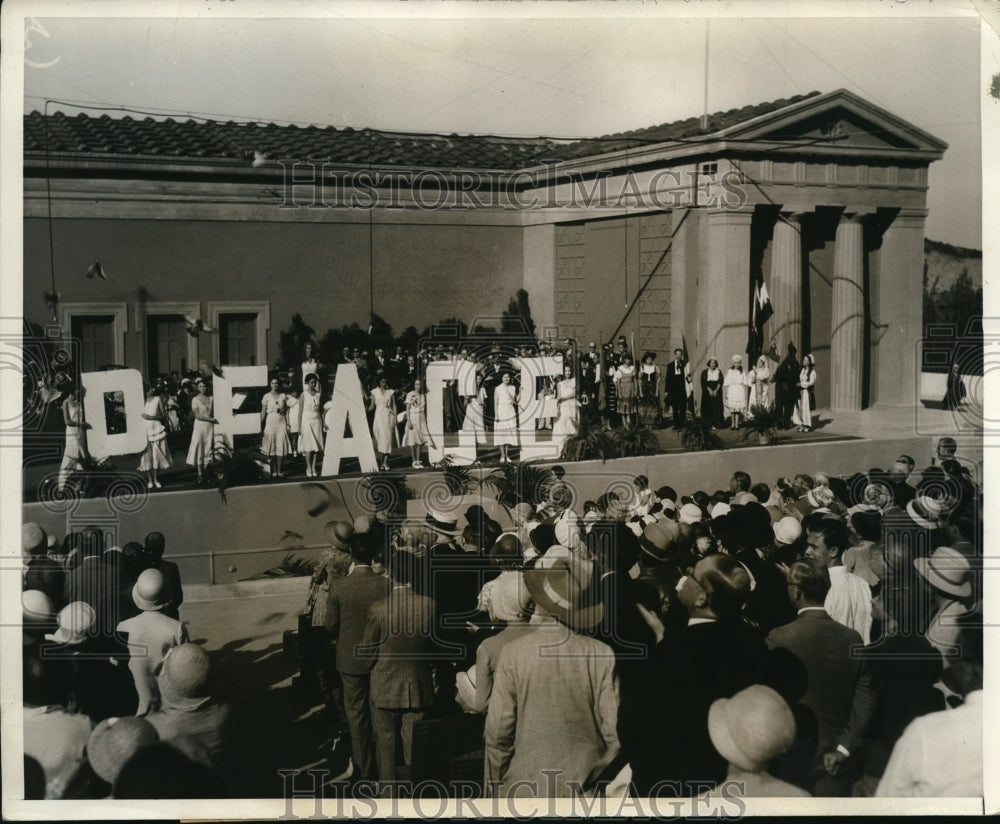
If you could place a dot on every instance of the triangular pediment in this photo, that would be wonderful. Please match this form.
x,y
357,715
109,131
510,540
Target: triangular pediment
x,y
840,119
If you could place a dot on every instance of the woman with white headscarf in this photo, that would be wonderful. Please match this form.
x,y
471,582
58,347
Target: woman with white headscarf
x,y
807,399
735,392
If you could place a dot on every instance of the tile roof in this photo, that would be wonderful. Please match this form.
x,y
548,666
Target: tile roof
x,y
189,139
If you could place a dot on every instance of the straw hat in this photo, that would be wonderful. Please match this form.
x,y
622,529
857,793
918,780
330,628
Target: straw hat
x,y
560,584
114,741
442,523
947,570
752,728
151,591
76,620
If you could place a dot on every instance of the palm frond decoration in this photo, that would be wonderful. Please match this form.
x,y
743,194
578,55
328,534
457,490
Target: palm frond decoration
x,y
231,467
385,493
589,443
700,436
517,482
762,423
458,478
635,440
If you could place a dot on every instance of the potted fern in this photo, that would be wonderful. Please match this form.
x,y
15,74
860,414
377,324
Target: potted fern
x,y
699,435
762,422
634,440
589,443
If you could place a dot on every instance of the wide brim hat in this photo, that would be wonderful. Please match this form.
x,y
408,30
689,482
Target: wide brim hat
x,y
752,728
559,583
76,620
947,570
658,538
340,534
442,523
157,598
114,741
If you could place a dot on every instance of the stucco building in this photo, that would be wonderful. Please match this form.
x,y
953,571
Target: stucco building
x,y
659,234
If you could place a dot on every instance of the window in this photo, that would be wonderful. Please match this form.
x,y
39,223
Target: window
x,y
95,337
167,345
238,339
98,331
241,337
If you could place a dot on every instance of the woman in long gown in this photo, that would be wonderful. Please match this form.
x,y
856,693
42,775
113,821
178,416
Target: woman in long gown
x,y
155,456
203,430
760,386
475,412
803,409
568,422
275,443
625,389
711,393
383,403
76,437
505,412
650,386
735,389
310,423
310,366
416,422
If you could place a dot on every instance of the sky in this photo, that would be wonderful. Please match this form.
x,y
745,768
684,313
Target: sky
x,y
514,74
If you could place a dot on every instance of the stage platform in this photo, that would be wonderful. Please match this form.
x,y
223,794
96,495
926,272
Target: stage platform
x,y
217,542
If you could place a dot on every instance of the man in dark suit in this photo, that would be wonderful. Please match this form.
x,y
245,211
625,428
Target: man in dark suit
x,y
750,539
348,606
398,645
839,690
786,377
715,656
155,545
675,383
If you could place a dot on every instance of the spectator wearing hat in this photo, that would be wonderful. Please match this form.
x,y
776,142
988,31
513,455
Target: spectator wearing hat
x,y
865,558
941,754
398,643
351,599
167,771
949,573
151,634
189,707
38,616
113,742
750,730
506,602
839,690
34,543
54,737
715,656
47,575
787,540
898,474
849,600
100,688
552,712
86,581
155,545
768,605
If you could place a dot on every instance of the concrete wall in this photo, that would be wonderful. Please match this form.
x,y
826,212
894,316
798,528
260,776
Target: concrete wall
x,y
422,273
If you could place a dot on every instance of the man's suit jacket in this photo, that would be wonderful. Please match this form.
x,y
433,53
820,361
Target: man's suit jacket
x,y
839,690
694,665
348,605
768,605
398,642
675,384
88,582
173,577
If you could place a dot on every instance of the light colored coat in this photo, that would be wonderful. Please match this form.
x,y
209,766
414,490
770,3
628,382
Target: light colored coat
x,y
554,707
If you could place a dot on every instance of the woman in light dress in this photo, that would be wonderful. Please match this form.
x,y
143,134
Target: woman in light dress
x,y
292,416
275,443
76,437
310,366
203,430
416,422
505,416
760,386
310,423
383,403
735,392
156,456
475,412
802,416
626,389
568,422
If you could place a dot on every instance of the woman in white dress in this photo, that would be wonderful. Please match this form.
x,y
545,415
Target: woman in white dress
x,y
568,422
310,366
156,456
505,416
735,392
383,402
760,386
802,416
310,423
416,422
475,412
275,443
202,431
76,438
292,416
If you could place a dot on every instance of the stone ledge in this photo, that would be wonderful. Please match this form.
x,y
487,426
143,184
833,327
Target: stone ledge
x,y
198,593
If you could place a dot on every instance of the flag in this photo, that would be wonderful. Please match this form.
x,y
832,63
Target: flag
x,y
760,312
687,374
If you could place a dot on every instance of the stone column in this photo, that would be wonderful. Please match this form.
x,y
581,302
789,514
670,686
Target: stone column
x,y
847,323
785,282
724,283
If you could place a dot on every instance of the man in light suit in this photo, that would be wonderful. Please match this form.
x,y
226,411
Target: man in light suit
x,y
398,644
839,690
348,606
